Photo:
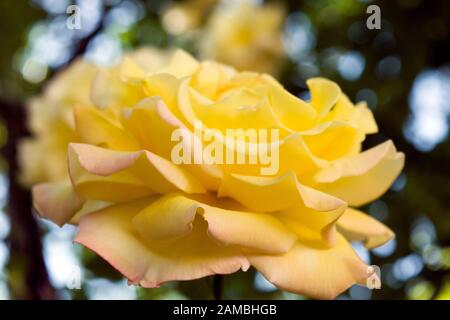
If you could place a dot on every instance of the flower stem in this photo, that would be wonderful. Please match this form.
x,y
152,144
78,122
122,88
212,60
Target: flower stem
x,y
217,286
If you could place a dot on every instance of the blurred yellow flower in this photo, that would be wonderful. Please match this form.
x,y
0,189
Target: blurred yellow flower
x,y
181,17
245,35
43,157
157,221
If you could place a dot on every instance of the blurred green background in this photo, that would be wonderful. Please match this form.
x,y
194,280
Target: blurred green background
x,y
401,70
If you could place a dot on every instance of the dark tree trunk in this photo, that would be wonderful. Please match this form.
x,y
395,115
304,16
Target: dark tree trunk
x,y
28,277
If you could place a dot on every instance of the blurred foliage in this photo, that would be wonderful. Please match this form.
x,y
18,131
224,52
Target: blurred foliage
x,y
16,19
322,37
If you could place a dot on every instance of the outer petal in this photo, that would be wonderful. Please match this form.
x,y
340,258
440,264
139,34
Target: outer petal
x,y
287,198
331,140
265,194
313,270
178,63
173,215
324,94
61,88
356,225
56,201
295,155
293,112
109,91
181,64
43,159
164,86
119,187
362,178
88,207
110,233
359,116
95,128
130,70
157,173
366,121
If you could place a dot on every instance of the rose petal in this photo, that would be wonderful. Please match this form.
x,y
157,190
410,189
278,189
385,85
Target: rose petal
x,y
109,91
95,128
119,187
288,199
110,233
210,78
324,94
270,194
356,225
320,272
152,124
359,116
364,177
331,140
293,112
173,216
181,65
241,109
56,201
157,173
367,123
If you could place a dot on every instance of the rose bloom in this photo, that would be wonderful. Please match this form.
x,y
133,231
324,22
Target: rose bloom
x,y
245,35
186,16
157,221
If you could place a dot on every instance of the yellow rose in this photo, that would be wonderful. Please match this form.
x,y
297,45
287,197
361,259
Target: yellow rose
x,y
180,17
246,35
157,221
